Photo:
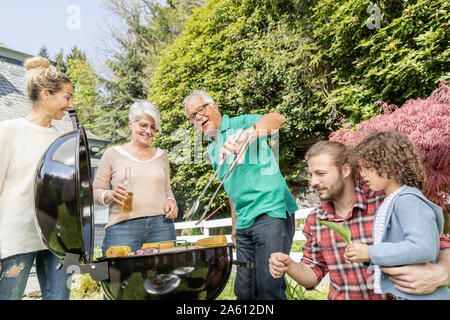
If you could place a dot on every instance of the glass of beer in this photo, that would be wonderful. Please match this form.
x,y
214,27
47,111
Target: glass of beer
x,y
128,202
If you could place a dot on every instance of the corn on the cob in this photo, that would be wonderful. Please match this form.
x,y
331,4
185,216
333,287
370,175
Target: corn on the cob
x,y
214,241
161,245
118,251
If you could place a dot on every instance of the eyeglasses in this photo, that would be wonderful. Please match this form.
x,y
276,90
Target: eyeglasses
x,y
145,126
200,110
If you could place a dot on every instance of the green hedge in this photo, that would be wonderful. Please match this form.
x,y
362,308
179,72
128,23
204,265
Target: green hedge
x,y
252,57
405,58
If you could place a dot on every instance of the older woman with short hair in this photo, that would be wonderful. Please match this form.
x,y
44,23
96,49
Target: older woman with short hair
x,y
153,209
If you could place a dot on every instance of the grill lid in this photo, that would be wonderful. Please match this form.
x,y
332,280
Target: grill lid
x,y
63,197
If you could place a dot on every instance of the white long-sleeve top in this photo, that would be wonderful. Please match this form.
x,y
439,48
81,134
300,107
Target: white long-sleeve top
x,y
22,145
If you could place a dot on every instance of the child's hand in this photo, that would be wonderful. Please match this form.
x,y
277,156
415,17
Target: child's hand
x,y
357,252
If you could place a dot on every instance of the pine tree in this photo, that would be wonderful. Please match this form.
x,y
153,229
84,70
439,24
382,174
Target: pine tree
x,y
60,64
43,52
85,82
151,26
76,54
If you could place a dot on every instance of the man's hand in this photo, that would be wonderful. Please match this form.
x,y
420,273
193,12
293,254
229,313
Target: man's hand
x,y
233,235
233,146
267,125
278,264
417,279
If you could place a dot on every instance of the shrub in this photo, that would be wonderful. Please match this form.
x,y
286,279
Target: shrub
x,y
405,58
252,57
425,122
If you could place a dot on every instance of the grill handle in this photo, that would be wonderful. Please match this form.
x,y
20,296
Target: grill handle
x,y
74,118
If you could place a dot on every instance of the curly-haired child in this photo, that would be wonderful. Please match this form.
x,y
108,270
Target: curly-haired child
x,y
407,225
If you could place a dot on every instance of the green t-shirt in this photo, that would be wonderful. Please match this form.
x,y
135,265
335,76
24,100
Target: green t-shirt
x,y
256,186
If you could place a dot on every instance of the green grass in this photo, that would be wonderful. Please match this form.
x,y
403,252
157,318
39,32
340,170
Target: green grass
x,y
84,288
294,291
228,292
297,246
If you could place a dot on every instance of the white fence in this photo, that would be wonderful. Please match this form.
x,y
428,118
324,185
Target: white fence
x,y
210,224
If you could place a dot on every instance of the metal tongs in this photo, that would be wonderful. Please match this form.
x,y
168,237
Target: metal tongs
x,y
230,169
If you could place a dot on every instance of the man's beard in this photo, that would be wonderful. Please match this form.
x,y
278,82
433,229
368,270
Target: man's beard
x,y
335,192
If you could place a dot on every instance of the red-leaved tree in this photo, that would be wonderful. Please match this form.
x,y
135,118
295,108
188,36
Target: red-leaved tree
x,y
427,124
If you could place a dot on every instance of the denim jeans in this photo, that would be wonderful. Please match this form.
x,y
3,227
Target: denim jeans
x,y
55,283
256,244
135,232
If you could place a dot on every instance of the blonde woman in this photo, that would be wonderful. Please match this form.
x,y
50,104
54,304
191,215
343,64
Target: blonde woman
x,y
153,204
23,142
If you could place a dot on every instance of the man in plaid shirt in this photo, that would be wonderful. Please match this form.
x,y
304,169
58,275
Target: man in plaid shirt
x,y
333,176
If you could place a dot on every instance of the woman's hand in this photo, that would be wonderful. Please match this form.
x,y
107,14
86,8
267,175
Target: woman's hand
x,y
171,209
117,195
357,252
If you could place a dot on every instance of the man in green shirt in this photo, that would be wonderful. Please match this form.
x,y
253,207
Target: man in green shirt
x,y
263,208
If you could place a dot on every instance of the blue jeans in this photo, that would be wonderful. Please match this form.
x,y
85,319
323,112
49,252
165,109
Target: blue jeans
x,y
55,283
256,244
135,232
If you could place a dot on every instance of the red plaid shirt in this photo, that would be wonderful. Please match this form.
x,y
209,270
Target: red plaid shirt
x,y
324,249
445,242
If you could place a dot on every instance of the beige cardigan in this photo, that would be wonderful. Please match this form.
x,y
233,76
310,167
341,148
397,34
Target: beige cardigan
x,y
150,180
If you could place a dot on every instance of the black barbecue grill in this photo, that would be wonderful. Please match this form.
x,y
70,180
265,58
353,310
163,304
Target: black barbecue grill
x,y
64,218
